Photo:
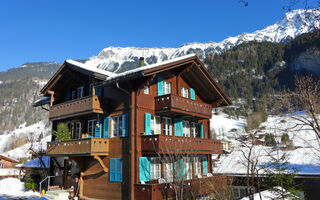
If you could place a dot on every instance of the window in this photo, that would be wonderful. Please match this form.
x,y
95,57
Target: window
x,y
195,129
1,165
188,167
186,129
115,174
155,125
78,130
155,168
73,94
197,166
146,89
91,127
168,171
80,92
167,126
117,126
166,87
90,88
184,92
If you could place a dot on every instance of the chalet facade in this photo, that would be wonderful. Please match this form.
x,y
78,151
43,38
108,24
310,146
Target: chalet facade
x,y
7,162
125,127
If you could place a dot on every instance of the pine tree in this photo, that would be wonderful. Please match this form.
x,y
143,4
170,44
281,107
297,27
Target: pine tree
x,y
62,133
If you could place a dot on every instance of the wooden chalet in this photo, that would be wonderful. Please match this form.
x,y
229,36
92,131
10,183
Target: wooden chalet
x,y
7,162
122,125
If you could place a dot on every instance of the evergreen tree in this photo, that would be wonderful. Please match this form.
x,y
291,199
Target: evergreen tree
x,y
62,133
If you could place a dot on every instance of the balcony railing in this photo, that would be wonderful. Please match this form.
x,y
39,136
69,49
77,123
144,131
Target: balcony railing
x,y
88,146
173,144
171,103
85,105
196,187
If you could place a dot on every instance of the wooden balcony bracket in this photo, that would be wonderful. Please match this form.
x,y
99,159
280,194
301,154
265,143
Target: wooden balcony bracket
x,y
52,97
105,169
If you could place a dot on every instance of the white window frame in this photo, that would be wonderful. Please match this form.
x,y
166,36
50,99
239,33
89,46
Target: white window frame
x,y
155,168
73,94
91,125
78,130
188,168
166,87
155,125
186,129
80,92
90,88
1,165
146,89
195,129
168,171
197,166
184,92
117,126
167,126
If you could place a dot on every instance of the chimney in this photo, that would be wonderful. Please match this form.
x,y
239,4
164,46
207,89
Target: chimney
x,y
141,61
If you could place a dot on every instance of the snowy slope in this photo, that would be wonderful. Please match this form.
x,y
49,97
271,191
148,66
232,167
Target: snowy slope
x,y
119,59
25,134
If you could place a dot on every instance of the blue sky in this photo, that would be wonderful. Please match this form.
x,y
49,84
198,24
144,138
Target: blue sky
x,y
39,30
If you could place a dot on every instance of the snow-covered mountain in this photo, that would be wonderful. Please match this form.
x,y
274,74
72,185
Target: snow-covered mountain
x,y
119,59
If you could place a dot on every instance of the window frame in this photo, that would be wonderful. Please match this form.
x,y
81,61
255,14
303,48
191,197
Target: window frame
x,y
166,85
92,127
117,126
73,94
167,127
184,92
188,168
186,129
195,129
154,126
91,89
155,168
78,130
146,89
197,166
168,171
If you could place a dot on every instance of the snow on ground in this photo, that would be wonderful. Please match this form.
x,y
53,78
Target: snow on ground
x,y
24,133
269,195
14,188
222,124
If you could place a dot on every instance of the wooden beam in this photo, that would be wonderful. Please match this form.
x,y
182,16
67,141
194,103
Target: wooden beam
x,y
52,97
105,169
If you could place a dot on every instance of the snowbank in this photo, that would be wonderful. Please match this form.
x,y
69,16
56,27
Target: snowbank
x,y
14,188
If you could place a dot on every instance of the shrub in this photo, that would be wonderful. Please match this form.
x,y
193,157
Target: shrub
x,y
62,133
30,183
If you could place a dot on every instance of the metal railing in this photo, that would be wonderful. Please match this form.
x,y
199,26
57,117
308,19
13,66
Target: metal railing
x,y
40,184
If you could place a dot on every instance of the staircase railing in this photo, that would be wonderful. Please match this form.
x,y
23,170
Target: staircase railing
x,y
40,184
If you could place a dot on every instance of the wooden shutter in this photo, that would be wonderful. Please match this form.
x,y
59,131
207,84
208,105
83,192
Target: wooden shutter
x,y
147,123
118,169
112,167
178,127
179,169
68,96
125,124
205,165
106,127
160,86
144,169
97,131
192,94
201,130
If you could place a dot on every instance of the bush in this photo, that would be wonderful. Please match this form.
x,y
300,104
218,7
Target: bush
x,y
62,133
30,183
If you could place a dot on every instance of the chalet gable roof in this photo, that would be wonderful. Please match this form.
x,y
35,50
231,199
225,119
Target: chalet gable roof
x,y
80,67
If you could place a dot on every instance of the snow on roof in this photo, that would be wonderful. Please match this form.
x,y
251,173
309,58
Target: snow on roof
x,y
90,68
42,101
7,158
10,172
36,163
270,195
139,69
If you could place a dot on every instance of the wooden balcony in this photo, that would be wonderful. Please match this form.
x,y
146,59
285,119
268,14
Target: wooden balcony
x,y
173,144
173,105
82,147
85,105
202,186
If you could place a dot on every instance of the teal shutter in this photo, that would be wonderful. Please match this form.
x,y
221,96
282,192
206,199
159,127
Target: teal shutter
x,y
192,94
144,169
179,169
68,96
205,165
160,86
106,127
97,131
112,167
125,124
201,130
98,91
147,123
178,127
118,170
